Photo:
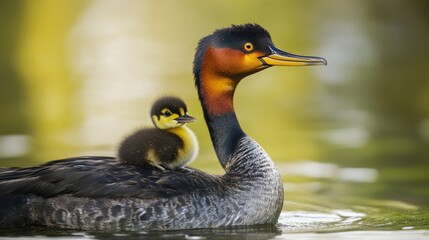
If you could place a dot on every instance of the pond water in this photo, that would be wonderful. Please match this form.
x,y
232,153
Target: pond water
x,y
351,140
305,225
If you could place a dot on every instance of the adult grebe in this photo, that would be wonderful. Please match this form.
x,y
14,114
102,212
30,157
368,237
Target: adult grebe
x,y
170,144
98,193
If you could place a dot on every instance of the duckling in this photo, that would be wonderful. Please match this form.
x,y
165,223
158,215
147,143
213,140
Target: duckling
x,y
170,144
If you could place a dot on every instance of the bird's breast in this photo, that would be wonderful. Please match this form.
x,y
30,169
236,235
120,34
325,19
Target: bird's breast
x,y
190,148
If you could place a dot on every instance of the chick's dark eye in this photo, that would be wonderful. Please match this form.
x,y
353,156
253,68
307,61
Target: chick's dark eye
x,y
248,47
167,113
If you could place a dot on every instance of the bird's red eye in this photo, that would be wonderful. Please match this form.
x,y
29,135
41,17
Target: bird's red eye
x,y
248,47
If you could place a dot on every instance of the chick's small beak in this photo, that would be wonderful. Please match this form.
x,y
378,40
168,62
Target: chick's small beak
x,y
185,119
282,58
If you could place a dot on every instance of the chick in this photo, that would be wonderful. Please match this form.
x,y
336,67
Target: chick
x,y
170,144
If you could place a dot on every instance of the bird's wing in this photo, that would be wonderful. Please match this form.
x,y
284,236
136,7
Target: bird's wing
x,y
95,177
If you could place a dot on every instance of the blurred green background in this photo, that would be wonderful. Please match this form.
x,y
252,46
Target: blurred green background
x,y
77,76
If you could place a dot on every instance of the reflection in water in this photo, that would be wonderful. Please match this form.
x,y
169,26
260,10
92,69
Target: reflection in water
x,y
367,235
348,137
336,224
367,175
78,76
301,221
328,171
14,145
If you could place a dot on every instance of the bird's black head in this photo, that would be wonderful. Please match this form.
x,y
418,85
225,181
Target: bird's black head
x,y
231,44
170,112
246,38
228,55
241,50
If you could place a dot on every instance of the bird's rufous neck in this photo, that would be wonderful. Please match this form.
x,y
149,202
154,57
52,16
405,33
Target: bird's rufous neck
x,y
218,94
216,87
218,81
218,71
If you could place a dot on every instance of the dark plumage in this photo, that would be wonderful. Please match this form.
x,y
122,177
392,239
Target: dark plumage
x,y
100,193
168,145
98,177
164,145
234,38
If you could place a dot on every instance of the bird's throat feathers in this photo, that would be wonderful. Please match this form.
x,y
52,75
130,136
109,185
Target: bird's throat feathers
x,y
218,96
217,86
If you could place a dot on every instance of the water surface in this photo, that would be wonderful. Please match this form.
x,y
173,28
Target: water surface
x,y
351,140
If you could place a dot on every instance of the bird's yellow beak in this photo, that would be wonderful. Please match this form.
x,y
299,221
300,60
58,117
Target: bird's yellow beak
x,y
282,58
